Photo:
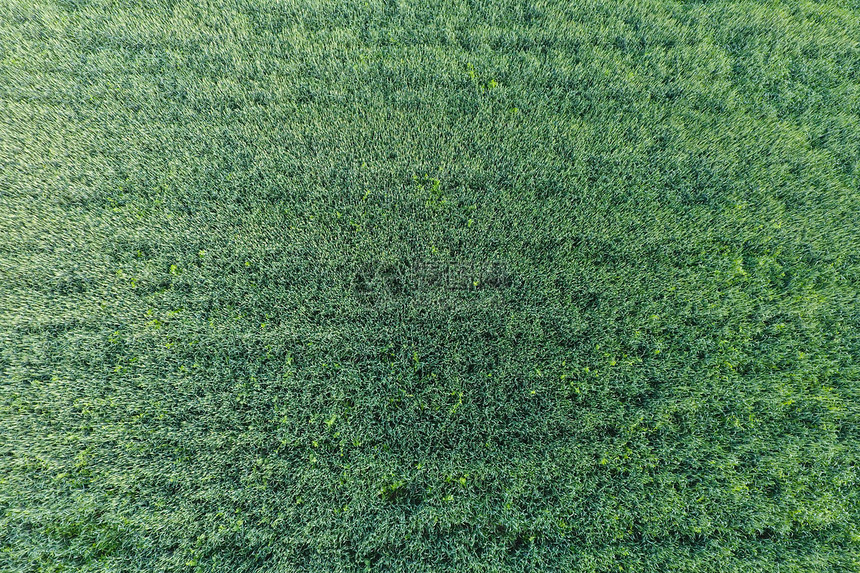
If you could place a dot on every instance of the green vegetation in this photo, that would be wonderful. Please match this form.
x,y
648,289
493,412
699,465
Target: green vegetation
x,y
433,286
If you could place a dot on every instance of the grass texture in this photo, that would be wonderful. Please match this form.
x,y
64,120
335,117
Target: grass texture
x,y
461,286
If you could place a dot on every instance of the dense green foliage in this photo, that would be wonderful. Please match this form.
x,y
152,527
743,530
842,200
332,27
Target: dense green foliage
x,y
450,286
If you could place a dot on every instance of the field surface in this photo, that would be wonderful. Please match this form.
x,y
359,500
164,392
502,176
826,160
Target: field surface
x,y
443,286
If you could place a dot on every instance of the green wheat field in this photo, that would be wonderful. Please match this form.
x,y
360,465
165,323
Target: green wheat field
x,y
438,286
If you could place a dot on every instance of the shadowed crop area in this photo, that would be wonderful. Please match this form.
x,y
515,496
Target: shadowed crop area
x,y
438,286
